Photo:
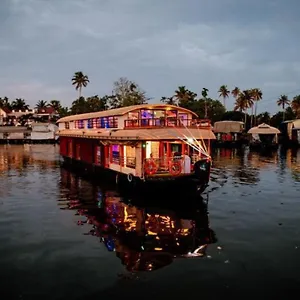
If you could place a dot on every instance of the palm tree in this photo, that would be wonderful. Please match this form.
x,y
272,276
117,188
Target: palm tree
x,y
182,94
224,92
5,103
256,96
295,104
235,92
80,80
204,95
55,104
283,101
19,104
41,104
168,100
243,102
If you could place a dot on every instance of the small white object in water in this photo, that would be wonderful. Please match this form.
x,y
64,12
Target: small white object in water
x,y
219,248
226,261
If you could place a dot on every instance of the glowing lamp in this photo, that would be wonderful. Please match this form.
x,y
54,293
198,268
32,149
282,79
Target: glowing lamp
x,y
190,140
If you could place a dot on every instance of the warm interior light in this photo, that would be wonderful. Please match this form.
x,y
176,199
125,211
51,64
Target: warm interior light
x,y
190,140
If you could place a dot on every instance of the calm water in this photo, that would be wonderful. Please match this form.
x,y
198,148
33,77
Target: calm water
x,y
61,237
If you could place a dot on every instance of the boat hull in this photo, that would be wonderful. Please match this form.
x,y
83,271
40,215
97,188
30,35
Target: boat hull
x,y
194,182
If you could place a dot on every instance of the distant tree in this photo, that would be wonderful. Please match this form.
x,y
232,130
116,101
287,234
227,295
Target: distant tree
x,y
79,106
55,104
41,104
95,103
80,80
126,93
295,105
213,109
63,112
185,98
256,94
233,115
224,93
235,92
283,101
242,103
204,94
19,104
4,103
168,100
264,118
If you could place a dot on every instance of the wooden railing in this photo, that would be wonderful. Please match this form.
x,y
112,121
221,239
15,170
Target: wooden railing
x,y
174,166
166,122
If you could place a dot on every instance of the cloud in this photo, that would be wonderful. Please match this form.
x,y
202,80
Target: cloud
x,y
161,45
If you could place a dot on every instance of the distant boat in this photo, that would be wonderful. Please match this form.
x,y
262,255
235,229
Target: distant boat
x,y
264,136
229,134
290,130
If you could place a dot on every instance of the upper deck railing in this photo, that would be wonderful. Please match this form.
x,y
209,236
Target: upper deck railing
x,y
168,122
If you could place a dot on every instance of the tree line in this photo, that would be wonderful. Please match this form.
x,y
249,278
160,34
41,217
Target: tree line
x,y
126,92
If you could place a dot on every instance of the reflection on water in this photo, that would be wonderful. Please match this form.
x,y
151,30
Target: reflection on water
x,y
144,238
244,167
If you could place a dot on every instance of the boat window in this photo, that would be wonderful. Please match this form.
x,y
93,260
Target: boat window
x,y
115,150
146,114
159,116
183,119
107,122
113,122
171,117
133,116
67,125
90,123
80,124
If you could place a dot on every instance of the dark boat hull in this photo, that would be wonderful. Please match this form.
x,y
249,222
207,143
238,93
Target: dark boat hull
x,y
195,182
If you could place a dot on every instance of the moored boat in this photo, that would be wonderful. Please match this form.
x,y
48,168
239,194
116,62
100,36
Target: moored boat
x,y
264,136
290,133
229,134
140,144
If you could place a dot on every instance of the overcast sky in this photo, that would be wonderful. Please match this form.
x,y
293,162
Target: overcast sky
x,y
160,44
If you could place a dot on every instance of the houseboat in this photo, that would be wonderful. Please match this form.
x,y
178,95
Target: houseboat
x,y
229,134
263,136
36,133
140,144
44,133
290,133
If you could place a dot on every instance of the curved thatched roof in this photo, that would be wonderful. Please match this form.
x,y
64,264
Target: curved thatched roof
x,y
228,126
264,129
122,111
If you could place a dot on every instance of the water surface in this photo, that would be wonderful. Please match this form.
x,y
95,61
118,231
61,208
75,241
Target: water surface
x,y
63,237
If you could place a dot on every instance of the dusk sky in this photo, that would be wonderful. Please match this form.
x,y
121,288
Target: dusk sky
x,y
160,44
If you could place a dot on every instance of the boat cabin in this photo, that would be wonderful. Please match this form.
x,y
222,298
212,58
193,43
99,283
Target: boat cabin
x,y
290,132
228,132
263,135
140,140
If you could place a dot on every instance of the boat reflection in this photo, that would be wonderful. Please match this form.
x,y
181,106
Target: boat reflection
x,y
144,237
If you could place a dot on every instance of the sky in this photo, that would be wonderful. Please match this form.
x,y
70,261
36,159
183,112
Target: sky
x,y
158,44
